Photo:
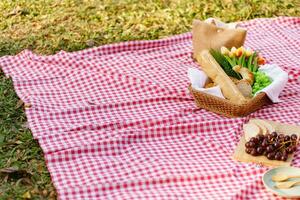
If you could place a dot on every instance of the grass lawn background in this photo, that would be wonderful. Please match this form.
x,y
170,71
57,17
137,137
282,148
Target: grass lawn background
x,y
47,26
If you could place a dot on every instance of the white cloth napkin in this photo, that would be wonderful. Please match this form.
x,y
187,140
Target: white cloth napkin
x,y
279,80
198,79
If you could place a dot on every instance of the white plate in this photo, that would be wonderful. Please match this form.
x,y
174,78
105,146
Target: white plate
x,y
293,192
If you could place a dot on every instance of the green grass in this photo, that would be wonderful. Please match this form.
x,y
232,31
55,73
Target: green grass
x,y
48,26
18,149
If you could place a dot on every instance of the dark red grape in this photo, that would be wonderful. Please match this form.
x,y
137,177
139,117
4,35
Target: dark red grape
x,y
277,145
248,150
251,144
264,143
247,145
271,156
270,148
260,150
287,138
254,140
290,149
294,137
260,137
284,152
284,157
278,156
254,152
274,134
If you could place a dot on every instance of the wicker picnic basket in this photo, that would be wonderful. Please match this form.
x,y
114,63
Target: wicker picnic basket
x,y
227,108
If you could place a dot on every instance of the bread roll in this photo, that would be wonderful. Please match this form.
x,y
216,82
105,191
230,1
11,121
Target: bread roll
x,y
250,130
263,129
245,88
261,123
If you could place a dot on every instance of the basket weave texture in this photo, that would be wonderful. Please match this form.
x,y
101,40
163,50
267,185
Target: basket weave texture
x,y
227,108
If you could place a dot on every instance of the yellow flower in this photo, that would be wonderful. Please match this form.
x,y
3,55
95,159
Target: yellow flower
x,y
224,51
233,49
261,60
248,52
239,52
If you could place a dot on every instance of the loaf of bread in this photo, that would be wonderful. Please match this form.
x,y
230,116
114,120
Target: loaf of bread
x,y
216,73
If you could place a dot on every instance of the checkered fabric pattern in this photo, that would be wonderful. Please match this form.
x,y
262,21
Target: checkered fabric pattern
x,y
117,121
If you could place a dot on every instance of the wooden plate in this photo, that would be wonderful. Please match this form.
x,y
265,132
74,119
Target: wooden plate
x,y
242,156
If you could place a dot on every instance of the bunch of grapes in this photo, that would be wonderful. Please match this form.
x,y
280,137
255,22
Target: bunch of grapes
x,y
274,146
261,81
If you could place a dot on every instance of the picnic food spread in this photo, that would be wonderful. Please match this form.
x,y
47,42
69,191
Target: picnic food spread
x,y
267,143
238,72
262,139
235,70
241,79
242,65
116,121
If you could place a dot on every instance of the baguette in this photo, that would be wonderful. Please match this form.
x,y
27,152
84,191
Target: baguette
x,y
214,71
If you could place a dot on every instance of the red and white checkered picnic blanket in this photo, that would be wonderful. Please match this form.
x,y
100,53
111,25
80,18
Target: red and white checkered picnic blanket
x,y
117,121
